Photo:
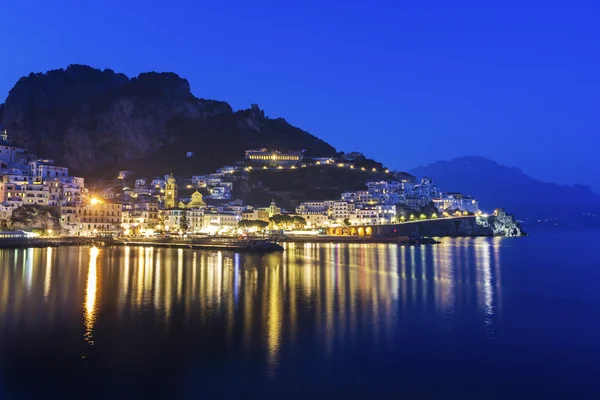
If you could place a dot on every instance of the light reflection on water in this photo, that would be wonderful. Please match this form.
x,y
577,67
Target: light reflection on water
x,y
264,301
91,289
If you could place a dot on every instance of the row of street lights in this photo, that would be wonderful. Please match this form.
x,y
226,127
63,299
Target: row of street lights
x,y
340,165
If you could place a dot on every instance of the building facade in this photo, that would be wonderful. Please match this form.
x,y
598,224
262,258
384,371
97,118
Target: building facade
x,y
456,202
171,193
265,156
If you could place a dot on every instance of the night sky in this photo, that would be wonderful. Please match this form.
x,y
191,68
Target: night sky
x,y
405,84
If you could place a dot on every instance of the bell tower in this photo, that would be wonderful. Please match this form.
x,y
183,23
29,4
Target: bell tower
x,y
171,194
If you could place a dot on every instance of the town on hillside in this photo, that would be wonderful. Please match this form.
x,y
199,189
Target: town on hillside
x,y
37,195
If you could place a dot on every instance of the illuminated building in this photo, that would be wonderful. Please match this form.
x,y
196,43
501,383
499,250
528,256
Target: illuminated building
x,y
171,218
142,214
220,192
265,156
196,201
96,217
47,169
256,215
171,193
332,209
273,209
456,201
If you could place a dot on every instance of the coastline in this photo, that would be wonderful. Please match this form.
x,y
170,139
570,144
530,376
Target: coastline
x,y
252,245
210,244
399,240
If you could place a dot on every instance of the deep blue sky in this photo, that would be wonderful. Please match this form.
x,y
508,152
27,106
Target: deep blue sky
x,y
406,84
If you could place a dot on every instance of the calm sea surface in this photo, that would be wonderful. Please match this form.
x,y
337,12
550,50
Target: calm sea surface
x,y
485,318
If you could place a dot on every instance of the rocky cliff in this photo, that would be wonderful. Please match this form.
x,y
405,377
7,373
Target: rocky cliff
x,y
35,217
499,225
97,122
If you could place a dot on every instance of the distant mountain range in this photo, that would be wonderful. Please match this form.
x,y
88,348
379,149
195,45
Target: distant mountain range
x,y
496,185
98,121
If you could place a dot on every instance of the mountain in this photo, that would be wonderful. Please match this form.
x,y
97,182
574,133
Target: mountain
x,y
97,122
496,185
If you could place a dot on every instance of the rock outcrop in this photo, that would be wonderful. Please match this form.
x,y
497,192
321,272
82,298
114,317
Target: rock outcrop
x,y
35,217
500,225
97,122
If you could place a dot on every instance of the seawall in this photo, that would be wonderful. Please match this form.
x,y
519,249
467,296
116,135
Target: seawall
x,y
492,225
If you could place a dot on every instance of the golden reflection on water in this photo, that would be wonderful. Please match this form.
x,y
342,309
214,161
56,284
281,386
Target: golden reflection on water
x,y
91,290
331,292
48,273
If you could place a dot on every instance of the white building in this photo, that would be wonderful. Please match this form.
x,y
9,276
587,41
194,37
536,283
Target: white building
x,y
220,192
72,189
382,186
215,221
427,190
10,155
456,201
333,209
171,218
340,210
376,214
256,214
18,194
227,169
324,160
359,197
238,210
316,220
313,207
47,169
